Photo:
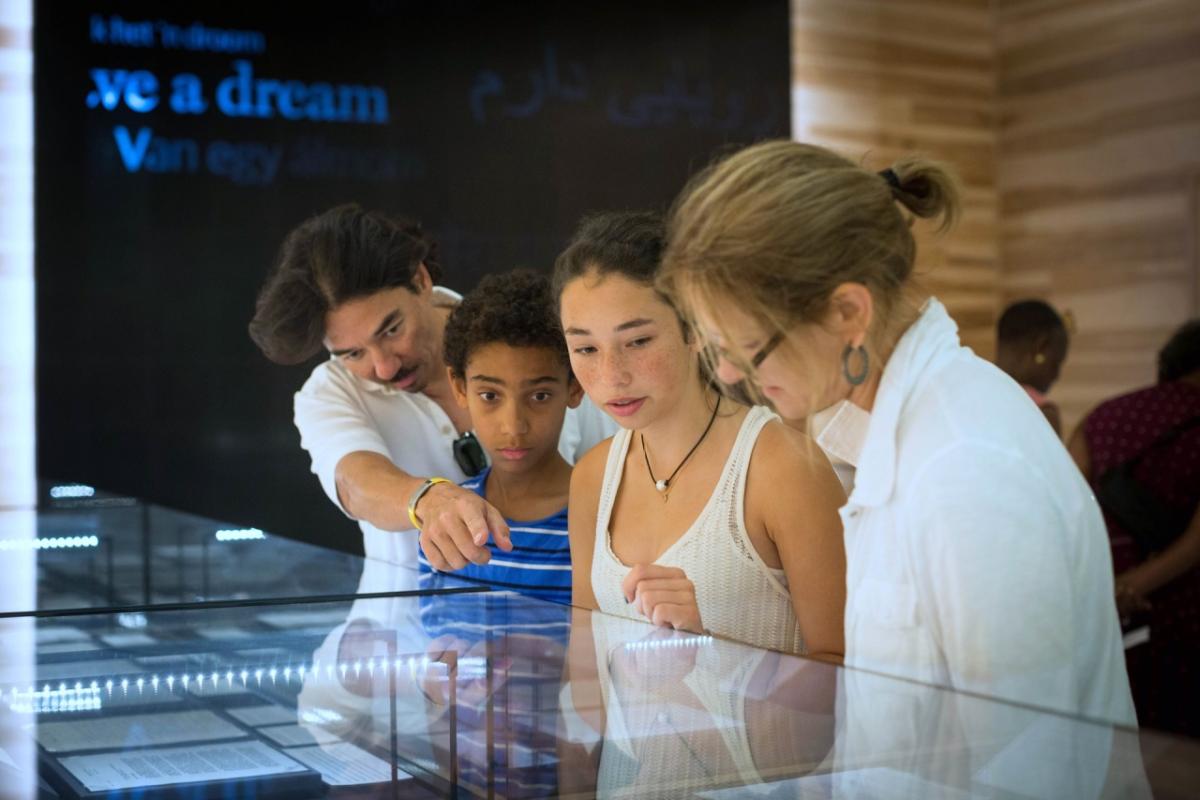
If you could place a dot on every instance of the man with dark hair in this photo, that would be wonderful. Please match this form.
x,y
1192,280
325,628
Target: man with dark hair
x,y
387,439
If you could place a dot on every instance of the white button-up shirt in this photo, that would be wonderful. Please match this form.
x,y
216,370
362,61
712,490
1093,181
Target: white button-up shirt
x,y
976,554
338,413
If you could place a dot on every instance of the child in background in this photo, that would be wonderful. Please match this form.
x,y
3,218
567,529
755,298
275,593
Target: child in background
x,y
508,365
1031,346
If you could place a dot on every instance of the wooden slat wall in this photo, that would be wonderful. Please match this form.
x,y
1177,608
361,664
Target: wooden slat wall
x,y
1099,174
17,486
882,78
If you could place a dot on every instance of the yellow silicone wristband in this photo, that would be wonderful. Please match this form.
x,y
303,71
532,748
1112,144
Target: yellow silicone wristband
x,y
416,497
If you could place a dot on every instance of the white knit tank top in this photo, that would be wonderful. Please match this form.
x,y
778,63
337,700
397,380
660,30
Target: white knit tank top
x,y
739,596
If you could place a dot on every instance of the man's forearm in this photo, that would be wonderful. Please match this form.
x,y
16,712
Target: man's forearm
x,y
372,488
455,522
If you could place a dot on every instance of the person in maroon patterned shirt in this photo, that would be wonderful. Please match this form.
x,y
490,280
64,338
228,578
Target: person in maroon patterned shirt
x,y
1164,586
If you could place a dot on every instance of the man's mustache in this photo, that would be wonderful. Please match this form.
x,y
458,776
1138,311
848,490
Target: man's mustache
x,y
401,374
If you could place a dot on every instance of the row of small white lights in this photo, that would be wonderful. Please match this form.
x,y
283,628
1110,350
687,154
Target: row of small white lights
x,y
57,542
71,490
468,667
87,540
75,490
50,543
239,535
81,696
670,644
89,697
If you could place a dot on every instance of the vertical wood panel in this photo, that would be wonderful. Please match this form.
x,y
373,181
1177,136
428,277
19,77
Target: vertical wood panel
x,y
18,573
882,78
17,481
1097,170
1076,127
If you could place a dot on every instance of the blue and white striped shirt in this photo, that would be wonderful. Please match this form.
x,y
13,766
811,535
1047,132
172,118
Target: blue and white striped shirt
x,y
539,564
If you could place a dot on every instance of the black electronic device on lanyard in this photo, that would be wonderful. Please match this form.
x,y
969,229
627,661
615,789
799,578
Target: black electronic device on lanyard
x,y
469,455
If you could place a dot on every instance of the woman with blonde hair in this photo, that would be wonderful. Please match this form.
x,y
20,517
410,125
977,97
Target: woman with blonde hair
x,y
976,555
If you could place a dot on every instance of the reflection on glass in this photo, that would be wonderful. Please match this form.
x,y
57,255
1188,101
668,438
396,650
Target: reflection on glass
x,y
368,690
17,649
655,713
110,556
492,693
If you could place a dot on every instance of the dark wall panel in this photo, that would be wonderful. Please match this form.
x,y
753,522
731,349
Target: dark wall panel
x,y
177,143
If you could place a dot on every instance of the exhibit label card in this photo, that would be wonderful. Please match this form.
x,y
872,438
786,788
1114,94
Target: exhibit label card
x,y
262,715
47,634
344,764
77,646
296,735
213,762
136,730
122,640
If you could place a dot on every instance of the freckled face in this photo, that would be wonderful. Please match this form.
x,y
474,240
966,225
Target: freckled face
x,y
627,348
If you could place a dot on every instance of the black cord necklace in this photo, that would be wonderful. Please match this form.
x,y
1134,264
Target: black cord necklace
x,y
664,486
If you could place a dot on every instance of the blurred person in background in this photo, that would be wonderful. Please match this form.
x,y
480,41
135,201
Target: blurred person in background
x,y
1031,346
1141,453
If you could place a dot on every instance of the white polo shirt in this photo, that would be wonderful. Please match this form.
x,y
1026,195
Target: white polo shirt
x,y
338,413
976,555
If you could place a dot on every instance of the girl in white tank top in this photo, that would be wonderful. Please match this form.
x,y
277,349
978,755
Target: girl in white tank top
x,y
738,595
700,514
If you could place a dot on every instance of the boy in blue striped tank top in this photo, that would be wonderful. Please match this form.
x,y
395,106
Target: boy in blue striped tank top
x,y
508,365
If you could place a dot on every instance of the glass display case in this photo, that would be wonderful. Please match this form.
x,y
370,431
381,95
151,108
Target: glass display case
x,y
109,553
397,684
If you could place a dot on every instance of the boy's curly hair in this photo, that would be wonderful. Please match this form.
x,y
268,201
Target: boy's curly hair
x,y
514,308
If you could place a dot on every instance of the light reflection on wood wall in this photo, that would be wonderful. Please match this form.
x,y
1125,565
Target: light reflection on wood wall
x,y
1076,127
1098,167
882,78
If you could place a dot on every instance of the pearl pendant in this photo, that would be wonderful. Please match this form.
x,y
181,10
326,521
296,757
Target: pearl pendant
x,y
660,485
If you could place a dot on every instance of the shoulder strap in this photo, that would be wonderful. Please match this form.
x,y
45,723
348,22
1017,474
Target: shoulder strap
x,y
614,466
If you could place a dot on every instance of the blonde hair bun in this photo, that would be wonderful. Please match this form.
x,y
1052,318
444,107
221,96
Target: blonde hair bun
x,y
928,189
774,228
